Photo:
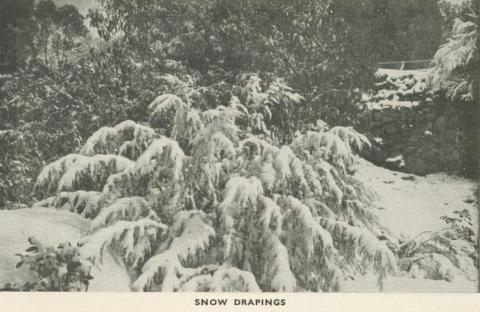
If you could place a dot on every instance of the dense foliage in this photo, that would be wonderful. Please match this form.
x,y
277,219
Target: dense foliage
x,y
213,207
457,62
63,82
456,71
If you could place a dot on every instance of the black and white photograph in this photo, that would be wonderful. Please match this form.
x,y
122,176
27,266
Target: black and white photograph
x,y
265,146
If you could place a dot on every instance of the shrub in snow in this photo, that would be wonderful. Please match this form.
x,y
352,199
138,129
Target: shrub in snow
x,y
219,206
85,203
79,172
127,139
270,106
447,254
53,269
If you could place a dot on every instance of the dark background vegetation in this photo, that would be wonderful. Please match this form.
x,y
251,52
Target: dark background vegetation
x,y
62,76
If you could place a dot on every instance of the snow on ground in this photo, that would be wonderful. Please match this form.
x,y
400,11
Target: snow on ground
x,y
110,276
51,227
406,284
413,204
47,225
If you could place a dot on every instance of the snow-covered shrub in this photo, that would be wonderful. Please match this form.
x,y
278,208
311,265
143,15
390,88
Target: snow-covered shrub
x,y
272,106
127,139
447,254
85,203
53,269
79,172
219,206
133,240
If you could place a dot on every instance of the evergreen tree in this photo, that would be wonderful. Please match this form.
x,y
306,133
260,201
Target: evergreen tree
x,y
215,208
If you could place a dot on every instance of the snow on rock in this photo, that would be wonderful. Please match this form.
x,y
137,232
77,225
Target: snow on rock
x,y
16,226
421,75
396,162
397,88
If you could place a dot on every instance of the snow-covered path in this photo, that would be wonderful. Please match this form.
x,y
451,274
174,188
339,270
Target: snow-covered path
x,y
410,205
413,204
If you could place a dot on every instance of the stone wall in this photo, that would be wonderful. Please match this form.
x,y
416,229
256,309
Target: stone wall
x,y
413,130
